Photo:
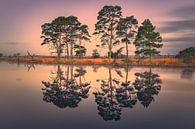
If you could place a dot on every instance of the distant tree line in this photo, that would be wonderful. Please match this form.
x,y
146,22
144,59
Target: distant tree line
x,y
66,35
187,54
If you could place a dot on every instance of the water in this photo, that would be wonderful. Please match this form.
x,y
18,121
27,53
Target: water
x,y
93,97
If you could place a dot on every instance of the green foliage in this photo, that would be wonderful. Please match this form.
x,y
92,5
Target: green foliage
x,y
147,40
126,31
127,28
64,32
83,33
80,51
52,35
117,54
188,52
106,25
95,53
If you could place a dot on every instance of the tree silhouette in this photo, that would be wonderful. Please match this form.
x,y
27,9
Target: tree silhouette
x,y
73,25
147,85
108,106
65,32
64,91
52,35
83,35
126,30
95,53
147,40
108,18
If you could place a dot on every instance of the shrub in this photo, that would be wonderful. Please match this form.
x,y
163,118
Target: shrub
x,y
95,53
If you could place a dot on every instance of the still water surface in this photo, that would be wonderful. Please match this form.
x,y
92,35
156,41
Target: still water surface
x,y
93,97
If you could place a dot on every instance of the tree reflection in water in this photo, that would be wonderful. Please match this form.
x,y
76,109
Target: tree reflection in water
x,y
126,93
115,94
108,105
187,73
68,88
65,91
147,85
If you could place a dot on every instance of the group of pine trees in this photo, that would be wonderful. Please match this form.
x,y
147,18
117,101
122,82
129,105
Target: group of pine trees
x,y
66,34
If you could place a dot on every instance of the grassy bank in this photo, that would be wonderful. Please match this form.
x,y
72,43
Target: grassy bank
x,y
156,61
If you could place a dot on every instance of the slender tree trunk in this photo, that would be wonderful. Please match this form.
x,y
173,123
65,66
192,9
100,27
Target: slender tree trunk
x,y
58,54
127,72
110,44
71,72
67,50
150,75
59,75
150,59
127,51
68,72
126,80
80,48
110,83
80,80
59,48
71,50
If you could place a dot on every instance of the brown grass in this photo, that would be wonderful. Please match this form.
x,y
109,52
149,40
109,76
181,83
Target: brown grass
x,y
157,61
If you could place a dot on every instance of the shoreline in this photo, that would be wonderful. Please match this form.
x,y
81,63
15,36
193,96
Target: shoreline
x,y
121,62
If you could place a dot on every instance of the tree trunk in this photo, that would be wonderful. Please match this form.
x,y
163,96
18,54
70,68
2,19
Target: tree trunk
x,y
67,50
110,44
150,55
126,80
68,72
80,78
127,52
71,50
110,83
71,72
59,76
58,53
127,73
80,48
150,75
150,59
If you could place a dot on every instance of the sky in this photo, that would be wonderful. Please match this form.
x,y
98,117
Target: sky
x,y
21,20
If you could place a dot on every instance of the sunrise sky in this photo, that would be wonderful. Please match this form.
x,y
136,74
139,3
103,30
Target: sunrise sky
x,y
21,20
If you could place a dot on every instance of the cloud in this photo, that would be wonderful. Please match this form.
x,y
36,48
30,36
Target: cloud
x,y
10,43
184,12
180,25
183,28
187,39
186,15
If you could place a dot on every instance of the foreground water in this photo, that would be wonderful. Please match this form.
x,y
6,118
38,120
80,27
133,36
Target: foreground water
x,y
86,97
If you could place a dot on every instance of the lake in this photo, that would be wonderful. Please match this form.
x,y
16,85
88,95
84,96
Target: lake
x,y
96,97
